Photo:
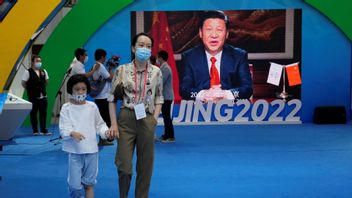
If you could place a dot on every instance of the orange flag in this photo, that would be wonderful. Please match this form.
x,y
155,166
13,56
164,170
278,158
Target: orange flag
x,y
162,41
293,75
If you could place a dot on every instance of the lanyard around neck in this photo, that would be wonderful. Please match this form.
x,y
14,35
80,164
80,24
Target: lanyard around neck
x,y
136,82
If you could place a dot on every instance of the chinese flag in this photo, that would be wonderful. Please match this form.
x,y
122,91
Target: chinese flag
x,y
294,78
162,41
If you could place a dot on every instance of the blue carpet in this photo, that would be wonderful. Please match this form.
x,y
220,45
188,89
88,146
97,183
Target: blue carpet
x,y
206,161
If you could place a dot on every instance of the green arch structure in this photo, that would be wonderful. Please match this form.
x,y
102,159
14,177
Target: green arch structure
x,y
74,30
83,21
336,11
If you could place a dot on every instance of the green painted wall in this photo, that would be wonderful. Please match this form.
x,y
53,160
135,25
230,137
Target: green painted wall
x,y
336,11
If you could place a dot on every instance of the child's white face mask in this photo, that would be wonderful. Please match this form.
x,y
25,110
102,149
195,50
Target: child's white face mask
x,y
79,97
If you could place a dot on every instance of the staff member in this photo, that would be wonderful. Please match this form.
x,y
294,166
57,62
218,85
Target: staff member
x,y
137,119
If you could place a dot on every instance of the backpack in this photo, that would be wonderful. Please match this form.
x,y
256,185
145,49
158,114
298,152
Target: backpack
x,y
96,86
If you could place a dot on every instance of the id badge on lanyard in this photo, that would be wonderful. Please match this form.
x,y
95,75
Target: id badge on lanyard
x,y
139,109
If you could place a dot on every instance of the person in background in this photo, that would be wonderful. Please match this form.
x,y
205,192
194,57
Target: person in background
x,y
101,99
168,93
35,80
135,124
71,3
76,67
79,123
152,60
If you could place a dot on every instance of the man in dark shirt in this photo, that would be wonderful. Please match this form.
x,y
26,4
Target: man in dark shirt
x,y
34,80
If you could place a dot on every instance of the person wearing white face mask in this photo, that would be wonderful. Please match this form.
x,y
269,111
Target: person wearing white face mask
x,y
168,93
76,67
80,123
34,80
137,119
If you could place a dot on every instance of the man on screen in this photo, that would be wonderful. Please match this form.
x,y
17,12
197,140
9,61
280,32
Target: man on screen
x,y
215,70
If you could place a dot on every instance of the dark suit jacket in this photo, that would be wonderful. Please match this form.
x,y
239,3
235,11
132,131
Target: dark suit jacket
x,y
234,72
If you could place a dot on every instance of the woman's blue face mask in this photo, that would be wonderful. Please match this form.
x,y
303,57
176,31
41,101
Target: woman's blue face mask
x,y
143,54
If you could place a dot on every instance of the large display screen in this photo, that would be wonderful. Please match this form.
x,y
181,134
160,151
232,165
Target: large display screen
x,y
259,71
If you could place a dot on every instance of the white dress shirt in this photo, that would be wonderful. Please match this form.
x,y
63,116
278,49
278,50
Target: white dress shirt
x,y
25,76
77,67
103,72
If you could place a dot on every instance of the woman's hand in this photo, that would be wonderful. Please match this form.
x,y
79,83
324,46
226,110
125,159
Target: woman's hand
x,y
114,130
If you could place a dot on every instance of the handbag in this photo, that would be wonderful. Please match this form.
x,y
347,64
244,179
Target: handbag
x,y
96,86
118,84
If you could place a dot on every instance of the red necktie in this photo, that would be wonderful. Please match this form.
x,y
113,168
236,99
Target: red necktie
x,y
214,74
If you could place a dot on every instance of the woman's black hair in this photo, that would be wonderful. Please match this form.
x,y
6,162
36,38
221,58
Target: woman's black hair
x,y
77,78
135,38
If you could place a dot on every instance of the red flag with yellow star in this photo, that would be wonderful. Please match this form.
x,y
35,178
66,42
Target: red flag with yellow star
x,y
162,41
294,77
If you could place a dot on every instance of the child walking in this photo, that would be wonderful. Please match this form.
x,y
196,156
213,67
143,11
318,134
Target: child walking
x,y
79,124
